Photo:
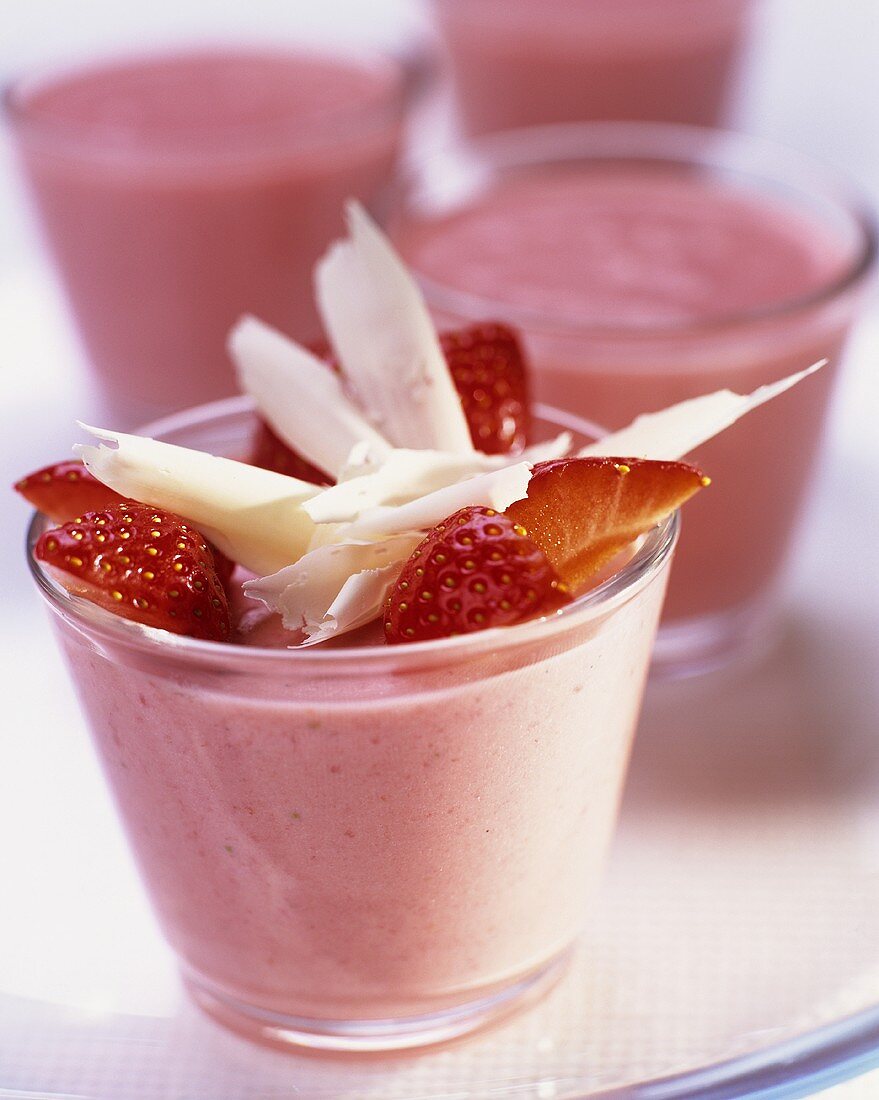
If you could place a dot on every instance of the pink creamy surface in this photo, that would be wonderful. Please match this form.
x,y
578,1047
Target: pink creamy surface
x,y
526,62
390,844
629,248
177,193
204,97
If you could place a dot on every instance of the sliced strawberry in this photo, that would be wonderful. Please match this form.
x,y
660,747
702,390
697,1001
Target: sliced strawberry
x,y
65,490
272,453
475,570
582,512
489,372
223,566
144,564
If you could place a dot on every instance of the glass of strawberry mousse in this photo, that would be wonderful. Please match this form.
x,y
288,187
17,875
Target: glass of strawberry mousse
x,y
177,189
644,265
530,62
366,847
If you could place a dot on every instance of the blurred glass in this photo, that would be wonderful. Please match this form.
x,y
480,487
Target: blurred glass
x,y
646,264
179,190
528,62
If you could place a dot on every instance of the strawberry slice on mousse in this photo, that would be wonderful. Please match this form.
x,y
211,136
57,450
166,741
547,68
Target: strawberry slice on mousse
x,y
143,564
479,569
489,371
582,512
474,570
66,490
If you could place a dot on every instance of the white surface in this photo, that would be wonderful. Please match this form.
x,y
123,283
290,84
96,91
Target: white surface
x,y
72,915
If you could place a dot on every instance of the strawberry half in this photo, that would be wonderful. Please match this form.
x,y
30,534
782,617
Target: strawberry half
x,y
582,512
144,564
475,570
272,453
491,378
66,490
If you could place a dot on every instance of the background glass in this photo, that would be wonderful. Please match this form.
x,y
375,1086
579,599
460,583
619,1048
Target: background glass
x,y
178,191
529,62
739,535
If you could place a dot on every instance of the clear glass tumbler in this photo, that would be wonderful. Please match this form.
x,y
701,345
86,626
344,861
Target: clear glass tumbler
x,y
177,191
510,228
377,847
531,62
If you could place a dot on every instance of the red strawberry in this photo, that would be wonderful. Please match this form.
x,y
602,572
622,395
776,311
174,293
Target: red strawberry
x,y
66,490
223,566
475,570
478,569
582,512
489,372
143,564
272,453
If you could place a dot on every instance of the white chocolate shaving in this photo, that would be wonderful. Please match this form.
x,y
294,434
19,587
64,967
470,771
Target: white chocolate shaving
x,y
405,475
361,599
254,516
334,589
380,328
680,429
496,489
300,397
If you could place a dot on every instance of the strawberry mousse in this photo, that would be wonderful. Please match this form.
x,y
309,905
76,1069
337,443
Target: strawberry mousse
x,y
529,62
643,266
367,731
176,190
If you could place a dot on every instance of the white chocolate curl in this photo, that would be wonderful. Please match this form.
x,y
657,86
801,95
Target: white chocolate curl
x,y
497,489
405,475
380,328
254,516
680,429
300,397
334,589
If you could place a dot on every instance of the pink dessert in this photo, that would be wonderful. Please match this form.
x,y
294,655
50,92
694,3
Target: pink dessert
x,y
176,191
527,62
364,833
372,809
636,287
369,833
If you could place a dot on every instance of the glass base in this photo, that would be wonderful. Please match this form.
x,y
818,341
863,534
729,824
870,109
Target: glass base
x,y
371,1036
692,647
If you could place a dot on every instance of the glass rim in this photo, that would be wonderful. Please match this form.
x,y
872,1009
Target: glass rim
x,y
758,160
235,141
651,555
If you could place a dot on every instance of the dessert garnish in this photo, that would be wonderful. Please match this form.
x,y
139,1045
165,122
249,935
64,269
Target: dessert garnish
x,y
486,362
625,499
488,368
65,490
385,342
143,564
476,569
392,480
